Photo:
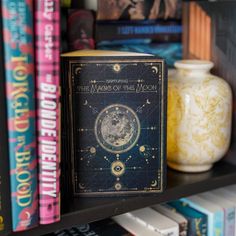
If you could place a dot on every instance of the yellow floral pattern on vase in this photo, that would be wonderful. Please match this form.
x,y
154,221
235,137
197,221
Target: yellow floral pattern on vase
x,y
198,119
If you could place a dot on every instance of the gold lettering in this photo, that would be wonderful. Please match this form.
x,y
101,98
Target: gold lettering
x,y
23,156
20,73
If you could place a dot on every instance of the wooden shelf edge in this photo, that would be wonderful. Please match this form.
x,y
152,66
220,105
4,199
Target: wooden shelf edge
x,y
179,185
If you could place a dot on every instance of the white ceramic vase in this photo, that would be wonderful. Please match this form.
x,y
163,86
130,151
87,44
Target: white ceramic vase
x,y
198,118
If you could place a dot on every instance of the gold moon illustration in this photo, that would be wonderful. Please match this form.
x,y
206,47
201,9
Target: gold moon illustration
x,y
117,128
154,69
154,183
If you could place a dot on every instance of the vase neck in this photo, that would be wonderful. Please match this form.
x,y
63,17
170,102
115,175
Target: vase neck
x,y
194,67
193,72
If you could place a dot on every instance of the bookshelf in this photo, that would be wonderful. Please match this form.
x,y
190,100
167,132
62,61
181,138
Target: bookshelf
x,y
84,210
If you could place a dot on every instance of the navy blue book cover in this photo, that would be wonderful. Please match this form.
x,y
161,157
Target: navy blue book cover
x,y
118,123
158,30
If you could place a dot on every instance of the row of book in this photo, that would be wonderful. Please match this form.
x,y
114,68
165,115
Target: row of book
x,y
131,26
30,115
211,213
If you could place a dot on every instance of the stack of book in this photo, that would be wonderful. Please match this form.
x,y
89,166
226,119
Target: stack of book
x,y
209,213
143,26
31,115
140,26
30,119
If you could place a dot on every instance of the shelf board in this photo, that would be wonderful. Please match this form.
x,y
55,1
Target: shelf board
x,y
84,210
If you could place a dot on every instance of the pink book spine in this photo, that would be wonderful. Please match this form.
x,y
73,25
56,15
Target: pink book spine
x,y
47,39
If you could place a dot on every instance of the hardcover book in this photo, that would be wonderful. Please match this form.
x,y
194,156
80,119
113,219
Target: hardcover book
x,y
19,73
115,111
214,212
171,213
155,221
158,30
47,59
138,9
80,30
5,196
197,221
229,211
134,226
229,196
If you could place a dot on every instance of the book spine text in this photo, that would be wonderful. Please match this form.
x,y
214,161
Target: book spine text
x,y
47,27
160,31
19,67
5,197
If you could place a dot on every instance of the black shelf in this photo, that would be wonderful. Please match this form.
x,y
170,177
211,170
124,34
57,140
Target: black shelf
x,y
84,210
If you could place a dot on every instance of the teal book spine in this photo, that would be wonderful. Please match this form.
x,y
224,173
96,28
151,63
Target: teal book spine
x,y
197,221
219,224
215,219
5,197
19,73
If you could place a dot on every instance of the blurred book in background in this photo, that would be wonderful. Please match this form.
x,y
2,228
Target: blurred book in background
x,y
146,26
78,4
138,9
215,214
158,30
171,52
197,221
80,29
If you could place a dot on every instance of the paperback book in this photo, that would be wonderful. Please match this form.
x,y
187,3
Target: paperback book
x,y
215,214
230,196
229,211
47,59
197,221
19,74
115,111
134,226
171,213
155,221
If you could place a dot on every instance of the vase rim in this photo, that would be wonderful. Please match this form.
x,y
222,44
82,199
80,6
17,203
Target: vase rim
x,y
194,64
